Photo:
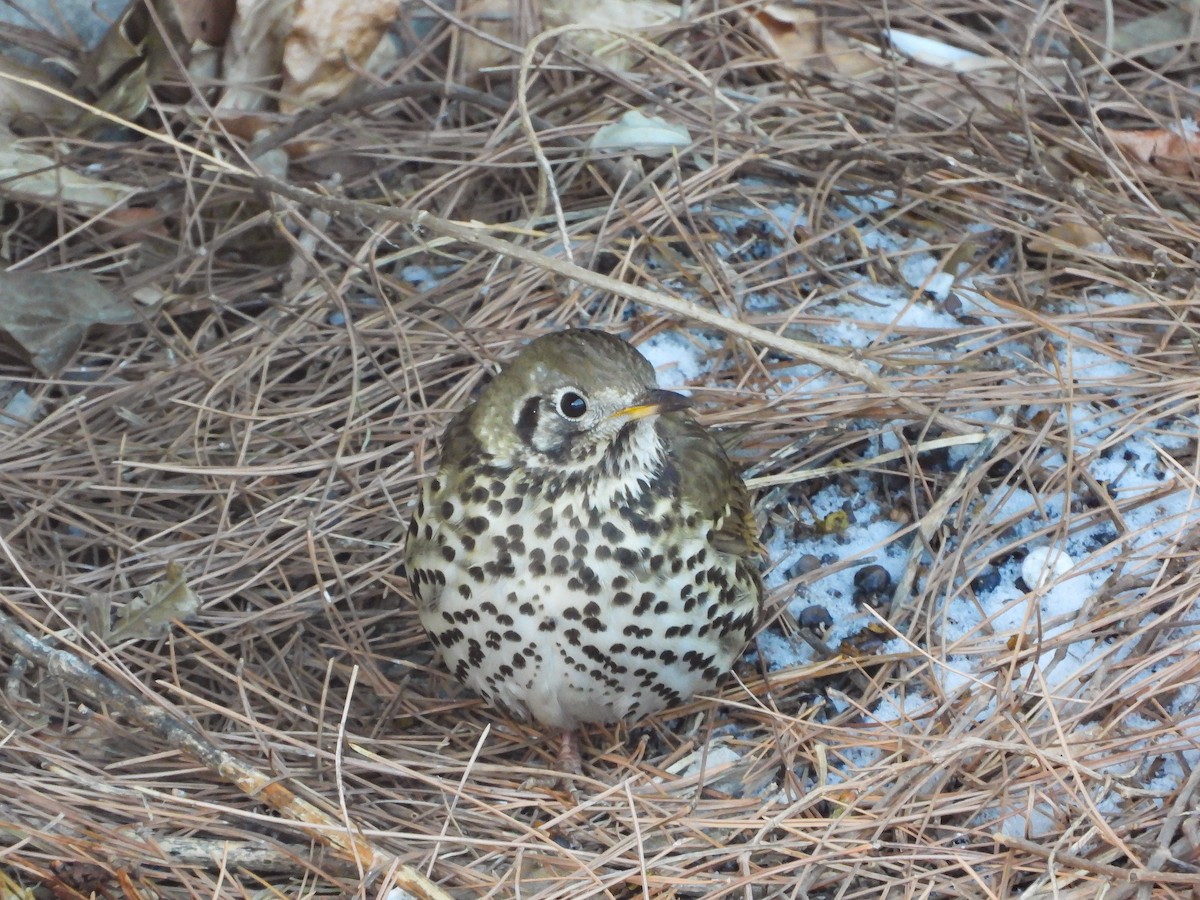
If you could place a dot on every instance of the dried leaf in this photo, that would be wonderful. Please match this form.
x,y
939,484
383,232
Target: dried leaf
x,y
1158,36
131,58
1070,236
22,100
647,135
46,315
497,18
253,58
938,53
24,173
799,40
329,44
475,54
607,16
149,616
1168,151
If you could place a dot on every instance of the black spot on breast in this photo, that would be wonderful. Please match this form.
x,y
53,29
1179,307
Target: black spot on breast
x,y
537,562
612,533
501,567
474,652
447,553
477,525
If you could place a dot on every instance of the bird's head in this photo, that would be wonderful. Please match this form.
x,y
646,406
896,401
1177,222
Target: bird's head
x,y
573,400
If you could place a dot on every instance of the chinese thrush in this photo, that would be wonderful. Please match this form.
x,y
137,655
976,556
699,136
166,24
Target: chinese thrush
x,y
586,551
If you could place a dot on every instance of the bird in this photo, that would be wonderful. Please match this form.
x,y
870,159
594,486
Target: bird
x,y
586,551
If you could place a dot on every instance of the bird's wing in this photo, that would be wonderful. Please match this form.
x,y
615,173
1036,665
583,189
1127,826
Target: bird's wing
x,y
710,482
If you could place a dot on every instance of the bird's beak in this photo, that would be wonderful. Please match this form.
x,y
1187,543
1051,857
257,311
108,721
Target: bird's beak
x,y
653,403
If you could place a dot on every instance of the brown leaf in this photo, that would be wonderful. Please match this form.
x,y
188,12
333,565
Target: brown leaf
x,y
799,40
45,315
329,43
149,615
1169,152
253,58
602,20
131,58
1070,236
24,173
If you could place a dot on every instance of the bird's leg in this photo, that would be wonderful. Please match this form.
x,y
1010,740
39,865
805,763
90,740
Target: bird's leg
x,y
569,760
569,763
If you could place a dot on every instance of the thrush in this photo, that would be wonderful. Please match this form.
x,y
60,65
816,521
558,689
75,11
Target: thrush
x,y
586,552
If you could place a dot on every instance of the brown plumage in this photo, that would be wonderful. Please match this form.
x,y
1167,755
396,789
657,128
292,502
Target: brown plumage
x,y
586,551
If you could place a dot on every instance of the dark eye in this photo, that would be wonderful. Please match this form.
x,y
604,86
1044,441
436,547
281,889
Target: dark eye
x,y
571,405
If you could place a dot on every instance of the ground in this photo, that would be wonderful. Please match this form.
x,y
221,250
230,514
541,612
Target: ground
x,y
977,671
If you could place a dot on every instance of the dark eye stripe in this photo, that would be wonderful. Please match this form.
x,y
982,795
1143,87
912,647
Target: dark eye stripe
x,y
528,419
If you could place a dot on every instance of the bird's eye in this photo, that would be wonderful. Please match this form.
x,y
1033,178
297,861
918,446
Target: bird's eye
x,y
571,405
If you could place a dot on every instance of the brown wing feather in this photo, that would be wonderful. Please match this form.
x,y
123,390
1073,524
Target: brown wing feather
x,y
710,482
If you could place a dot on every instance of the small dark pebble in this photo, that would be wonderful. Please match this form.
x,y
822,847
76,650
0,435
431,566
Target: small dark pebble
x,y
815,618
807,563
872,584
